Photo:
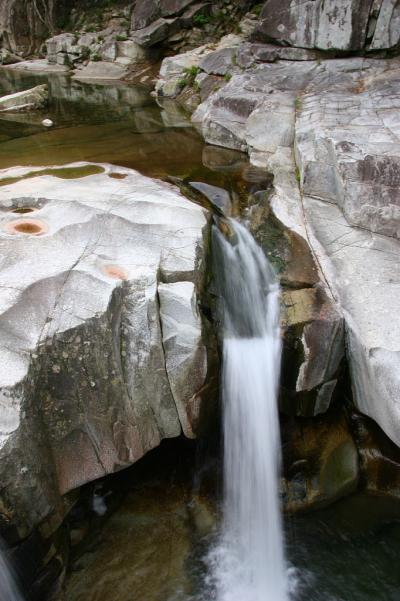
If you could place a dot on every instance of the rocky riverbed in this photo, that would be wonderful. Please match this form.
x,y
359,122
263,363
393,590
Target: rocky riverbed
x,y
109,330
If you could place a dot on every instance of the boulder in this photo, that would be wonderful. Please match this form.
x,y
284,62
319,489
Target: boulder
x,y
64,43
329,133
155,33
38,65
105,268
28,100
320,461
101,70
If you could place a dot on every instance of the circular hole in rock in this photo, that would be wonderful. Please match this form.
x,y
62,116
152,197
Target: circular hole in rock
x,y
115,271
34,227
23,210
117,175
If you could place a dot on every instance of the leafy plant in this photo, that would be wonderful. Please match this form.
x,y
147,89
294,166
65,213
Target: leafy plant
x,y
121,37
201,20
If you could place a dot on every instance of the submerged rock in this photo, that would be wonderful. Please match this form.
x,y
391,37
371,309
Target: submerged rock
x,y
102,344
27,100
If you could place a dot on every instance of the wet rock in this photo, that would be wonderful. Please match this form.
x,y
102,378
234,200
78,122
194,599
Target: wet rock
x,y
38,66
143,547
320,461
379,457
114,356
313,350
28,100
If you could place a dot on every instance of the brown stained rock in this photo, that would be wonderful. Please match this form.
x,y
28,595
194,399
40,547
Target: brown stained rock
x,y
379,457
320,461
313,349
32,227
115,271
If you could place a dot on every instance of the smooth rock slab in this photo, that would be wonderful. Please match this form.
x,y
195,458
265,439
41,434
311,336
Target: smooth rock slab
x,y
94,373
27,100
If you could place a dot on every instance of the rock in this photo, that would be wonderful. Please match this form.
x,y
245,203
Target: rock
x,y
379,457
101,70
8,58
325,25
28,100
131,52
339,118
64,43
219,62
249,54
156,32
313,350
105,270
320,461
47,123
38,66
185,354
144,13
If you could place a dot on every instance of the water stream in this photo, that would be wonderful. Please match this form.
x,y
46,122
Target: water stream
x,y
248,563
8,587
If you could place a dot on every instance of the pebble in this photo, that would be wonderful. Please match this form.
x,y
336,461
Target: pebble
x,y
47,123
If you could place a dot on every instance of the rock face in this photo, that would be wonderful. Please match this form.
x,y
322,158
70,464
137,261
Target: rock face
x,y
333,25
28,100
329,132
102,345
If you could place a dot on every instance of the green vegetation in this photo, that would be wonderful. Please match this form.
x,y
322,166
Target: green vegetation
x,y
298,175
96,58
121,37
201,20
228,76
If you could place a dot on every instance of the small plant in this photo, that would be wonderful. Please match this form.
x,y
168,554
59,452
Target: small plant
x,y
196,86
121,37
192,71
182,83
297,103
201,20
257,9
100,39
297,175
96,58
228,76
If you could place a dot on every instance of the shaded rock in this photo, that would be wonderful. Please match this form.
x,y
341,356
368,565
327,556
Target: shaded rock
x,y
153,34
320,461
313,350
8,58
102,374
379,457
28,100
64,43
144,13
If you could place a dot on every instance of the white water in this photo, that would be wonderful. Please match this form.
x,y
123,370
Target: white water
x,y
248,563
8,587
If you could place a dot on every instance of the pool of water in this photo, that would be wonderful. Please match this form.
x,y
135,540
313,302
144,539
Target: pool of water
x,y
154,547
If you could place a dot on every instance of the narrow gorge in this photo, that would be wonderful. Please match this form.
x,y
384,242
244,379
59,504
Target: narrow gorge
x,y
199,300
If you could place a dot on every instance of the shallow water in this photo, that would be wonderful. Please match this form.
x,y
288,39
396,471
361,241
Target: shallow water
x,y
150,550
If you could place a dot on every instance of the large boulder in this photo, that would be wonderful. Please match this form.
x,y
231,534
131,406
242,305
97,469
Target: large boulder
x,y
345,25
329,133
102,344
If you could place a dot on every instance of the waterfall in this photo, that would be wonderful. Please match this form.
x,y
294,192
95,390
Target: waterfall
x,y
248,562
8,587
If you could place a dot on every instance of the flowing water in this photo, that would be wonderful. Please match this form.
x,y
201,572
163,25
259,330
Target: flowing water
x,y
8,587
248,563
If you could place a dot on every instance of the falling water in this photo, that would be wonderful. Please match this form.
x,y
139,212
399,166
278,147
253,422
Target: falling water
x,y
8,587
248,563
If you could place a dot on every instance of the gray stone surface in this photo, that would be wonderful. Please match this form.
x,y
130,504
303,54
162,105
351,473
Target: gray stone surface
x,y
101,341
155,33
329,132
101,70
27,100
331,25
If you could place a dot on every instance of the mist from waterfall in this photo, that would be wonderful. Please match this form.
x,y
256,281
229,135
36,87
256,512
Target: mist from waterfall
x,y
248,562
8,587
